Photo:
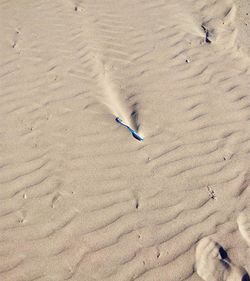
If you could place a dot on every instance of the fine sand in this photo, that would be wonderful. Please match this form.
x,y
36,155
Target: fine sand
x,y
80,198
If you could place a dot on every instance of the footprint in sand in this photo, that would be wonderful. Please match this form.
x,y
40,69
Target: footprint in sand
x,y
244,225
213,263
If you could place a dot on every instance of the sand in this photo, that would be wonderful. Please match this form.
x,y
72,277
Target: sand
x,y
81,198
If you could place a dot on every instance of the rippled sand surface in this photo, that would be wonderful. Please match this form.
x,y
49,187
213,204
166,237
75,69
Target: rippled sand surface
x,y
80,198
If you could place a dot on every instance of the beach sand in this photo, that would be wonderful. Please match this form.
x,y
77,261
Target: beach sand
x,y
81,198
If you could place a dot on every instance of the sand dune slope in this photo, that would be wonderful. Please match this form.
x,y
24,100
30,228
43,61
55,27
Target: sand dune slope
x,y
81,199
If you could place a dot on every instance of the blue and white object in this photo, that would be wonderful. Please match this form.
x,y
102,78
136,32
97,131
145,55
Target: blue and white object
x,y
133,132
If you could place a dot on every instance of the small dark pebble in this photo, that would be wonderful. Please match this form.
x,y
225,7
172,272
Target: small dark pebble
x,y
137,205
245,277
223,253
207,39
